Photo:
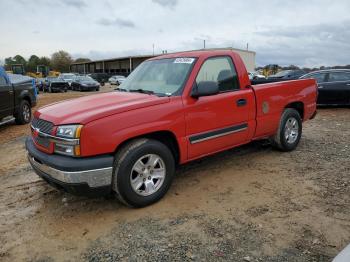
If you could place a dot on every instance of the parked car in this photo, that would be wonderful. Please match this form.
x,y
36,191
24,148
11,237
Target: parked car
x,y
255,75
17,97
102,78
287,75
85,83
333,86
55,84
67,77
116,80
174,108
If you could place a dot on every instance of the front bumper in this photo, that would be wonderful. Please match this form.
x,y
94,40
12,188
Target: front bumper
x,y
91,176
88,88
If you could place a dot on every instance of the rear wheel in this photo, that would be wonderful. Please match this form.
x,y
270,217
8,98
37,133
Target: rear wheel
x,y
143,172
24,114
289,131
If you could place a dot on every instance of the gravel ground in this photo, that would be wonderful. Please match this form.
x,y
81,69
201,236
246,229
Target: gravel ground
x,y
251,203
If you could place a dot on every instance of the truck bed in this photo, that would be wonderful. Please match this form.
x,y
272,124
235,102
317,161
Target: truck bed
x,y
272,98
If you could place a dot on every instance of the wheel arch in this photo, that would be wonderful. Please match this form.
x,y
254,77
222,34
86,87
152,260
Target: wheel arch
x,y
166,137
298,106
27,98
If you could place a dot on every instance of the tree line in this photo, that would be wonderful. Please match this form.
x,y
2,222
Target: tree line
x,y
306,69
59,61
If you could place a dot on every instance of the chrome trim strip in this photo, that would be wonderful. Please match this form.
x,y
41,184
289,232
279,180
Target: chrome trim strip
x,y
7,121
93,177
218,135
56,139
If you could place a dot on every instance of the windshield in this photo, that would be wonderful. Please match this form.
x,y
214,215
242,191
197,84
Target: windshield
x,y
283,73
84,78
162,76
67,76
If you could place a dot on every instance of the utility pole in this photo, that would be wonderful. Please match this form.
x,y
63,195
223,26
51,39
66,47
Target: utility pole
x,y
247,46
204,43
153,48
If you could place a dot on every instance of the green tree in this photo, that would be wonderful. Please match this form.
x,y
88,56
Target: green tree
x,y
8,62
44,61
33,62
20,60
82,60
60,61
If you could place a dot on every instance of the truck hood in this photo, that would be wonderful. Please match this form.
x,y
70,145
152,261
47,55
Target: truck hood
x,y
89,108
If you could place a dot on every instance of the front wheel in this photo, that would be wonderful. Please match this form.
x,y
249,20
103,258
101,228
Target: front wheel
x,y
289,131
143,172
24,114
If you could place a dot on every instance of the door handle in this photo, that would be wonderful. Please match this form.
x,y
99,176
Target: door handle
x,y
320,86
348,84
241,102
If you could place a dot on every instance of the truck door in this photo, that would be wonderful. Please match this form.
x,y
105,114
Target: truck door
x,y
220,121
6,98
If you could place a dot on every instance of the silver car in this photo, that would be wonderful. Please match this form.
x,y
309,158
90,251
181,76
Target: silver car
x,y
116,80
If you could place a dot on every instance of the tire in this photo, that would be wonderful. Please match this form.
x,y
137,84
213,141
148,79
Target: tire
x,y
148,188
24,114
289,131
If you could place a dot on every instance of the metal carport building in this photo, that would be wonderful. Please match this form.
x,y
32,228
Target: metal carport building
x,y
120,65
125,65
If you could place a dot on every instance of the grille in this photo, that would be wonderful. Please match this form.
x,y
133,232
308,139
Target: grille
x,y
42,141
43,125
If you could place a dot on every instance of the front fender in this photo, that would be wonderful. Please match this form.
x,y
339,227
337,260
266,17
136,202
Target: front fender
x,y
105,135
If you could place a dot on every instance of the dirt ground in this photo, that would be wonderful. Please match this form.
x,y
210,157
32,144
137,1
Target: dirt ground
x,y
251,203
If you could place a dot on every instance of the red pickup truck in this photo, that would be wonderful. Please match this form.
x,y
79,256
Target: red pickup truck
x,y
172,109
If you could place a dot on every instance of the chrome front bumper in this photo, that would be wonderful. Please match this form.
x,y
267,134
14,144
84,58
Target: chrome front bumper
x,y
93,178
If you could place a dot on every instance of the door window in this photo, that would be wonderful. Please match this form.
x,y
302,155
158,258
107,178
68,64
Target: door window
x,y
320,77
339,76
220,70
3,81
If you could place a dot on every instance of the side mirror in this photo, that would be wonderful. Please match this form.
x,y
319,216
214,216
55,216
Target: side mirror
x,y
205,88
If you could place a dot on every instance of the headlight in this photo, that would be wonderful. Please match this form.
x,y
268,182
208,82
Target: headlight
x,y
69,132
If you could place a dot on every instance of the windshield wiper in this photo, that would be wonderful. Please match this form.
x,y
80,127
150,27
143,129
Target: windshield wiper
x,y
143,91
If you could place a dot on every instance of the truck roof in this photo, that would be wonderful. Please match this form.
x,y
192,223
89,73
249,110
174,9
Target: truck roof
x,y
196,53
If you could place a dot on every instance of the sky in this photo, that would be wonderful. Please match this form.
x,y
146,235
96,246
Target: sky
x,y
304,33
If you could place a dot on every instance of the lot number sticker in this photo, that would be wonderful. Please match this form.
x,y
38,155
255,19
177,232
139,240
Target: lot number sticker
x,y
184,60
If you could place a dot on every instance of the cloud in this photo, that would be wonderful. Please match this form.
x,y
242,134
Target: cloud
x,y
309,45
166,3
98,54
75,3
115,22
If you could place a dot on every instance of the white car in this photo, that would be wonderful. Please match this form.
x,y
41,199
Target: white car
x,y
255,75
116,80
67,77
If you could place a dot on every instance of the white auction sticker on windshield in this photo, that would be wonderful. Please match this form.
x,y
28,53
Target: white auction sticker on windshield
x,y
184,60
